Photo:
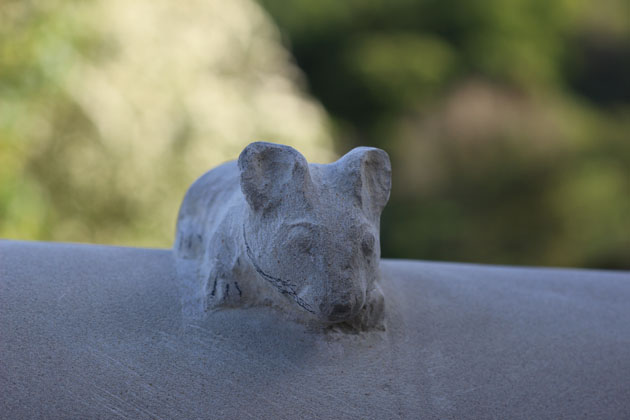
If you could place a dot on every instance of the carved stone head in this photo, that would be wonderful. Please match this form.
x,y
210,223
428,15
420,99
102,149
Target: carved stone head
x,y
313,230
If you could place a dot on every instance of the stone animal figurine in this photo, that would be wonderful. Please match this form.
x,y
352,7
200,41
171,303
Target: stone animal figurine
x,y
273,229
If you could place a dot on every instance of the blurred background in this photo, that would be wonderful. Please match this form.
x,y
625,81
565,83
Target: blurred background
x,y
507,121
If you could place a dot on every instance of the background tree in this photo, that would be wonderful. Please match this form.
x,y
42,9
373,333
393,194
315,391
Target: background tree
x,y
110,109
508,121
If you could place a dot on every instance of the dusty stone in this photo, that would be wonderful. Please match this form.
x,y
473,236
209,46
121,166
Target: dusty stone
x,y
96,332
271,229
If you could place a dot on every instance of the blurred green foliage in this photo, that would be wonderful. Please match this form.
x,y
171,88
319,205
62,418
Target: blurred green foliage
x,y
109,110
508,121
31,62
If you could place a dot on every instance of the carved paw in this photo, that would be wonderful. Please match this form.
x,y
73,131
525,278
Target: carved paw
x,y
221,291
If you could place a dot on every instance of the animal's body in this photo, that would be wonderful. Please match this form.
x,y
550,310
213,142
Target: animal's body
x,y
272,225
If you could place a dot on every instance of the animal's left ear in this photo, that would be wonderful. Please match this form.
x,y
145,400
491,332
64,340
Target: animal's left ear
x,y
368,172
271,174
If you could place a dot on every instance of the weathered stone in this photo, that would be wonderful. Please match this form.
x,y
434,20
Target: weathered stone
x,y
96,332
271,227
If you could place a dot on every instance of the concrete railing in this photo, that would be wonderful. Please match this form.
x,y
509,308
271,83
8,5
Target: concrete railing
x,y
96,332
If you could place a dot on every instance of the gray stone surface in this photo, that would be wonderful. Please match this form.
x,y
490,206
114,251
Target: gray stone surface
x,y
97,332
272,229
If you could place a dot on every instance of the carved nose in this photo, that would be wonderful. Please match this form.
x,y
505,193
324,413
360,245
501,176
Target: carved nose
x,y
340,310
343,309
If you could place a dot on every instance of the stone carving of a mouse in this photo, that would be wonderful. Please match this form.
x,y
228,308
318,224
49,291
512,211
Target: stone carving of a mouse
x,y
273,229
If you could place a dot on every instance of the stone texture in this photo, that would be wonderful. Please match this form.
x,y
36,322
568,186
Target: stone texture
x,y
97,332
271,227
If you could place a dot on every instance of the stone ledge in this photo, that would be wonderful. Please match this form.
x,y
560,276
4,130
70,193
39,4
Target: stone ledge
x,y
95,332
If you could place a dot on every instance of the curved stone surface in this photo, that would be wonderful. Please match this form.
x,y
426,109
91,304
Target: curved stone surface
x,y
96,332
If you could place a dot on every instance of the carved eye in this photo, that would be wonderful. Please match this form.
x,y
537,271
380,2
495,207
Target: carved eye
x,y
303,244
300,238
367,244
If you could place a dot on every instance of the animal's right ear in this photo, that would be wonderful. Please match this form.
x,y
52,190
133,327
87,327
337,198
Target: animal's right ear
x,y
270,173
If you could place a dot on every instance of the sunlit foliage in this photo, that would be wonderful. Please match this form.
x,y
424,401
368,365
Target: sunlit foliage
x,y
508,121
109,109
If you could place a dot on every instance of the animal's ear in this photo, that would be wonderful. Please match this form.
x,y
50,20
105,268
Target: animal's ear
x,y
270,173
369,177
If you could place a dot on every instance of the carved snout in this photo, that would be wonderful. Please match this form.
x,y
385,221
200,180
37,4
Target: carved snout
x,y
341,307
